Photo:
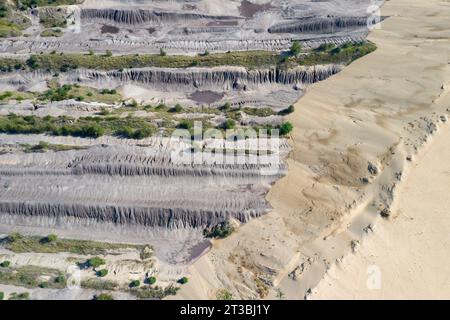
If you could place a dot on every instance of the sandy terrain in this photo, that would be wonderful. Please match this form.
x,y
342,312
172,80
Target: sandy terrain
x,y
354,136
411,251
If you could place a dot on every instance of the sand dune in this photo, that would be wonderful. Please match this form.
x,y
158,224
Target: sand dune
x,y
354,136
410,253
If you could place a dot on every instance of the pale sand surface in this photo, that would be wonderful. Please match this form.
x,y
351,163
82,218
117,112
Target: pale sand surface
x,y
375,113
412,250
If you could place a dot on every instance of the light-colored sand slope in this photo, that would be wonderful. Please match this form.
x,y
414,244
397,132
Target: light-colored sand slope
x,y
353,134
411,251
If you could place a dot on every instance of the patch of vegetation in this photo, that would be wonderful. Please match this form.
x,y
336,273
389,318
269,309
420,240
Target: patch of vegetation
x,y
102,273
99,284
345,54
19,296
80,93
43,146
55,18
296,48
150,280
5,264
15,95
88,127
249,59
20,244
261,288
103,296
183,280
259,112
224,294
9,65
53,32
134,284
285,128
155,292
220,231
30,277
95,262
2,295
287,111
176,109
28,4
229,124
11,22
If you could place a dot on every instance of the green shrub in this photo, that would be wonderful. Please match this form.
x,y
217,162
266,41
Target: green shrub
x,y
5,264
224,294
2,295
91,131
60,279
103,296
185,124
15,236
102,273
220,231
285,128
19,296
99,284
286,111
95,262
155,292
51,237
226,106
150,280
134,284
176,109
183,280
229,124
296,47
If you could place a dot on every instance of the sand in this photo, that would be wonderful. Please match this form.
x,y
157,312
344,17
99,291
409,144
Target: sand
x,y
353,135
409,252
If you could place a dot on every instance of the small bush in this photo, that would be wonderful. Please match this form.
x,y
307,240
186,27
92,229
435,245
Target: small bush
x,y
226,106
229,124
19,296
134,284
220,231
103,296
13,237
185,124
60,279
150,280
5,264
162,52
285,128
2,295
183,280
286,111
176,109
102,273
296,47
51,238
224,294
95,262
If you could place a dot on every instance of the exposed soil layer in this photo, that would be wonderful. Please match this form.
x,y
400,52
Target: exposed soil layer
x,y
249,9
